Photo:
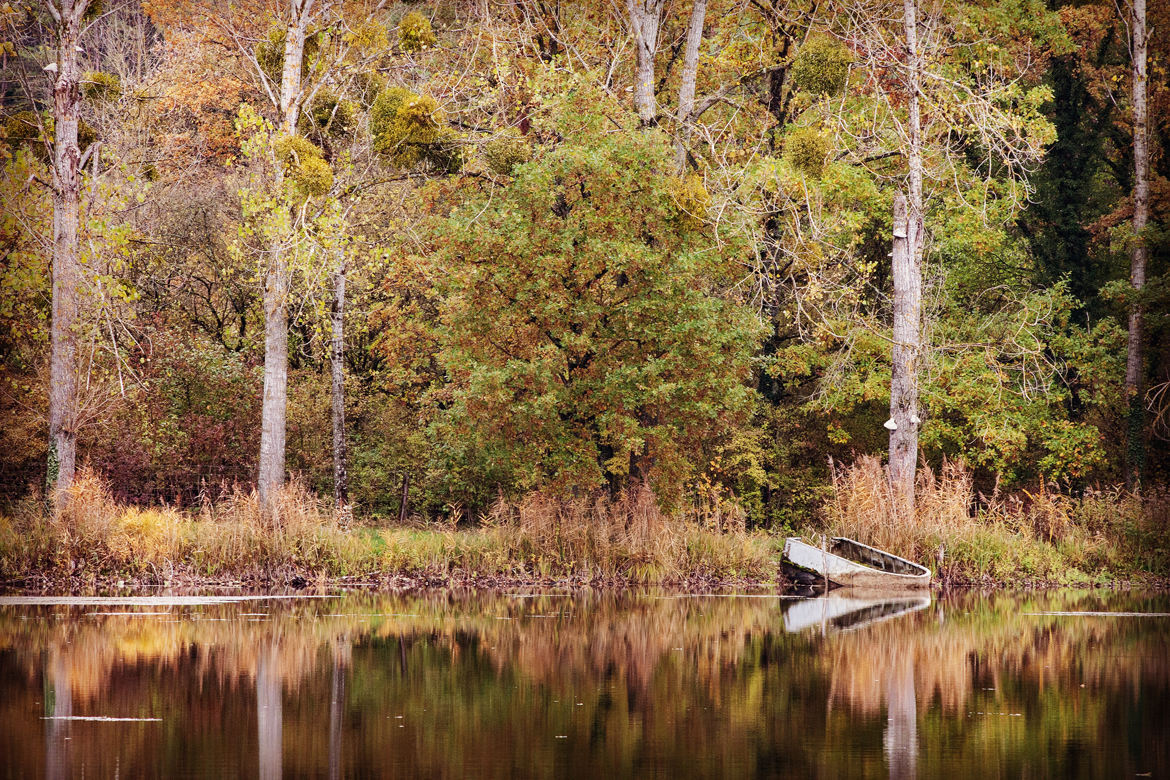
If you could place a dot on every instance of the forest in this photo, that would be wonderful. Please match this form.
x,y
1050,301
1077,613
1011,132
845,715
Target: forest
x,y
583,287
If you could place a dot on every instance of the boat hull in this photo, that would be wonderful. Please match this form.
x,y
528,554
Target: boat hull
x,y
849,563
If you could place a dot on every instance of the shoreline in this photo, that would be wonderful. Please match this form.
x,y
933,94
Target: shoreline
x,y
298,580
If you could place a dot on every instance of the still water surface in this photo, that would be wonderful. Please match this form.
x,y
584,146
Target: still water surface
x,y
589,685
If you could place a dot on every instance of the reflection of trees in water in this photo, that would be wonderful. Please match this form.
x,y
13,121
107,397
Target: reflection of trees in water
x,y
1004,676
964,645
901,737
341,656
269,712
677,684
58,708
589,635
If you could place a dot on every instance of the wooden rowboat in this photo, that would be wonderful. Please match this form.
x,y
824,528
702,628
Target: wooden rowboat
x,y
849,563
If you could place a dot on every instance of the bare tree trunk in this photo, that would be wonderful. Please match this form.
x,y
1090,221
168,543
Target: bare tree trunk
x,y
275,403
690,72
66,268
1135,450
645,19
907,272
402,507
294,56
340,456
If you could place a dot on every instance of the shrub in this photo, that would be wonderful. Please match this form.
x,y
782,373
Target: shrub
x,y
304,165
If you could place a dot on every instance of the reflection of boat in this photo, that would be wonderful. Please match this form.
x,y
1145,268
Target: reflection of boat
x,y
849,563
848,612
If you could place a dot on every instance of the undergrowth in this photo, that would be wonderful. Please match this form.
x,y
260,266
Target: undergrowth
x,y
628,538
964,536
1040,534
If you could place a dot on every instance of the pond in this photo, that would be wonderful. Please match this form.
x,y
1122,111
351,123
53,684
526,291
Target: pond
x,y
588,684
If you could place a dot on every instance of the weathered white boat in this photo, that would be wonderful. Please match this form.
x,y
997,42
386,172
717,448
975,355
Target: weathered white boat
x,y
849,563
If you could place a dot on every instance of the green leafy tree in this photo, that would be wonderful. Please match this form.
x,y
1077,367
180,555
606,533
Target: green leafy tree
x,y
582,332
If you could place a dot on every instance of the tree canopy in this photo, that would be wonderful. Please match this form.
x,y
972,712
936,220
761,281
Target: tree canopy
x,y
583,244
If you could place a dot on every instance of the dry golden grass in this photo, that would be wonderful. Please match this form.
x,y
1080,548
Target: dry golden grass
x,y
863,503
630,538
961,535
94,534
1040,533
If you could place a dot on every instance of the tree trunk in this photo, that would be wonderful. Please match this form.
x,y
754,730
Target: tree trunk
x,y
275,402
1136,450
903,385
340,458
272,415
66,268
907,272
294,55
645,19
403,506
690,72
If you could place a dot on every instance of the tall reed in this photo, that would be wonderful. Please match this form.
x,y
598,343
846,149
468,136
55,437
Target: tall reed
x,y
628,536
1040,532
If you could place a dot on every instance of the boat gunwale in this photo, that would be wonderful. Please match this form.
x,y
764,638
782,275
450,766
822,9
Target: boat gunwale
x,y
923,575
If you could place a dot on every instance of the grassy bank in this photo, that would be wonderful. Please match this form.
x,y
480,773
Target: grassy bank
x,y
1027,537
538,538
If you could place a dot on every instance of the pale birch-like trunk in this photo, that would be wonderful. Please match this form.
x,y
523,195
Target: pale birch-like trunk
x,y
645,21
63,367
294,57
1135,450
907,273
337,354
903,385
690,73
275,401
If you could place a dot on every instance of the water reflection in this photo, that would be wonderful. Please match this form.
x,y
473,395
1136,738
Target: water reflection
x,y
848,609
342,651
444,685
269,711
901,737
58,714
